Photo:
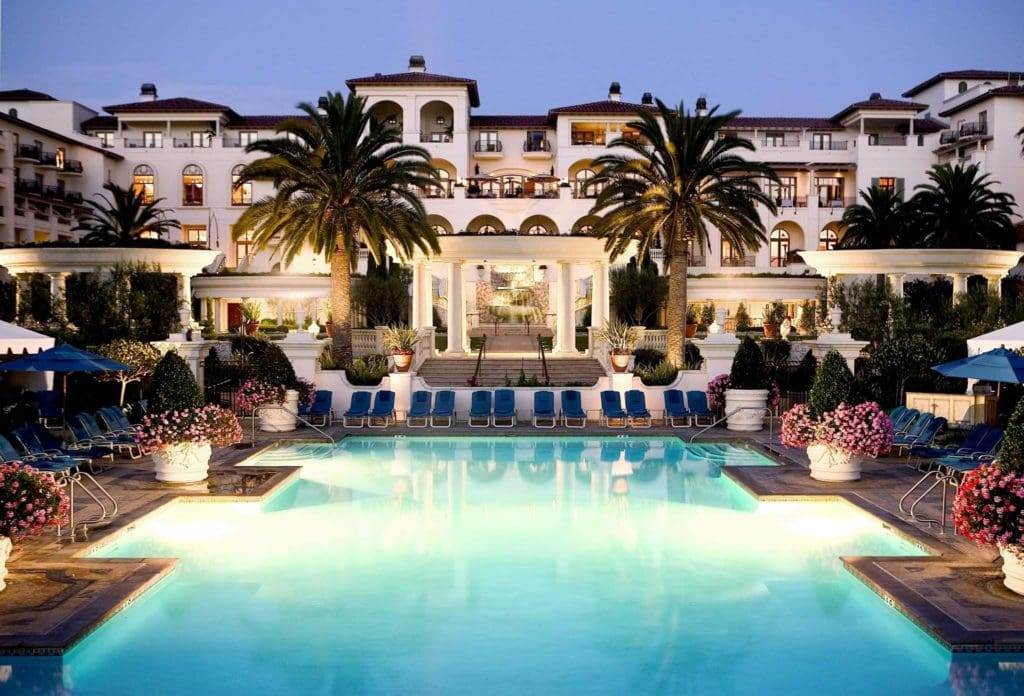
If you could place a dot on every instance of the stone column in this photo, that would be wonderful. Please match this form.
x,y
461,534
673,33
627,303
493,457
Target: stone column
x,y
456,311
896,279
185,294
415,318
599,307
426,297
959,284
565,322
218,314
995,284
58,288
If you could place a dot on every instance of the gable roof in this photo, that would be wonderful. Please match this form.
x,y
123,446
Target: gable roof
x,y
24,94
418,78
512,121
880,104
1005,91
174,104
962,75
602,107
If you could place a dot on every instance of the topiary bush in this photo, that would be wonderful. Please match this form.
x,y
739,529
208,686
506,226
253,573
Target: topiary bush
x,y
748,369
1011,454
833,385
660,375
174,386
273,367
743,322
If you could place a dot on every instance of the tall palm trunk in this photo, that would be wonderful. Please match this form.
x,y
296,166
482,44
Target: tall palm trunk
x,y
341,307
676,320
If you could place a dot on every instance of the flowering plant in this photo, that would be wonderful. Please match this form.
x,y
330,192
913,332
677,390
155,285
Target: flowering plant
x,y
307,391
720,384
988,507
205,424
30,502
863,429
255,393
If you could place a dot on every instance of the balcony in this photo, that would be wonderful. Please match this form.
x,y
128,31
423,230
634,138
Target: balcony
x,y
948,137
186,142
436,137
887,140
28,186
70,167
738,261
28,152
537,150
132,143
487,149
973,129
233,141
781,141
32,187
444,190
48,160
840,202
830,145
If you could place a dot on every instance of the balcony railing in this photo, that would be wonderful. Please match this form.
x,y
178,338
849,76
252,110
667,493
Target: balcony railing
x,y
841,202
830,145
887,140
48,159
142,142
441,191
738,261
187,142
29,152
436,137
487,146
232,141
948,137
34,188
542,146
973,128
786,141
72,166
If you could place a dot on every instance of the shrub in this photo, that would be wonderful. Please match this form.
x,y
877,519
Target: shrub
x,y
748,370
660,375
1011,454
646,358
707,316
743,322
204,424
367,371
272,367
692,359
833,385
141,357
174,386
806,321
31,502
636,292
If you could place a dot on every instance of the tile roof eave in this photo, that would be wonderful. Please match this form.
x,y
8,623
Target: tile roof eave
x,y
1007,91
59,136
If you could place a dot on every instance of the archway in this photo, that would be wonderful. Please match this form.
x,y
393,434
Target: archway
x,y
538,225
440,225
485,224
785,238
828,238
388,113
579,172
585,225
437,122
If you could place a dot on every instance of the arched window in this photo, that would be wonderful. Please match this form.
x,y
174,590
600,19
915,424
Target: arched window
x,y
241,194
444,187
192,185
439,230
585,229
537,229
961,88
487,229
779,243
827,240
144,182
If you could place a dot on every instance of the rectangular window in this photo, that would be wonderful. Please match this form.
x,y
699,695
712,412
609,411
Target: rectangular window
x,y
489,141
731,256
195,235
774,139
199,139
241,194
106,139
830,191
536,141
246,137
821,141
588,133
887,183
243,248
58,158
782,192
152,139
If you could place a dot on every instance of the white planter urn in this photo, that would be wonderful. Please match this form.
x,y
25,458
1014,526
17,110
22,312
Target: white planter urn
x,y
5,552
831,464
280,420
1013,569
753,402
185,463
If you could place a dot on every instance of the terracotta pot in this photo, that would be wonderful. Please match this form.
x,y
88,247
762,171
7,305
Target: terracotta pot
x,y
752,402
771,330
251,327
691,329
330,329
281,420
831,464
403,360
5,552
620,361
185,463
1013,569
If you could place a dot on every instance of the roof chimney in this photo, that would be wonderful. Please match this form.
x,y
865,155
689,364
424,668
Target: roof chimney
x,y
321,105
147,92
874,96
614,92
647,98
702,106
417,64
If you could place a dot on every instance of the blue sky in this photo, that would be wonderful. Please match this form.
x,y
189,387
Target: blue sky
x,y
807,58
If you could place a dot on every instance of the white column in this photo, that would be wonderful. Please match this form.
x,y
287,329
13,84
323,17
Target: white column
x,y
185,292
565,322
218,311
599,306
995,284
959,284
456,311
427,297
896,279
416,318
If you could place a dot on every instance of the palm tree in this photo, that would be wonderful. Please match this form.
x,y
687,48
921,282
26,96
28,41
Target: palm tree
x,y
960,209
123,218
1020,134
674,182
878,223
341,180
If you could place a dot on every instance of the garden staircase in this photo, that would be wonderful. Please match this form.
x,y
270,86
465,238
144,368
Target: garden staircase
x,y
441,372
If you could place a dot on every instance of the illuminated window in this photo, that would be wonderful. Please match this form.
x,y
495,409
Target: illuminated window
x,y
487,229
580,189
192,185
779,243
887,183
59,158
439,230
827,240
537,229
195,235
731,256
243,247
241,194
144,182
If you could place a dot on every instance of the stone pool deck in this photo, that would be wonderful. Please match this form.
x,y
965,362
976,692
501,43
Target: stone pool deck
x,y
56,595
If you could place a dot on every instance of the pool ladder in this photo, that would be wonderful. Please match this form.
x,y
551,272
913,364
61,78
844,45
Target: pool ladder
x,y
761,409
282,407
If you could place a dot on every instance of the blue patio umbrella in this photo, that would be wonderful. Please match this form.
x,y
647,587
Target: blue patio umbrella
x,y
64,358
997,365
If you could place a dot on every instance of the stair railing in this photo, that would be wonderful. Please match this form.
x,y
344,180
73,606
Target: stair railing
x,y
481,352
543,360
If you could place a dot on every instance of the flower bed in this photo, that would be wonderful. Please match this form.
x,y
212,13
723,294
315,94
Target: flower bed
x,y
205,424
30,502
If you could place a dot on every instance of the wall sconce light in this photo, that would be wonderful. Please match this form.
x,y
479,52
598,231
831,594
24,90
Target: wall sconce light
x,y
440,120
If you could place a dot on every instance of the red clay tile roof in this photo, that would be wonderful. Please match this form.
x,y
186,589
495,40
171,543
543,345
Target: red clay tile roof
x,y
174,104
514,121
782,122
1005,91
418,78
100,123
928,125
881,105
963,75
602,107
24,94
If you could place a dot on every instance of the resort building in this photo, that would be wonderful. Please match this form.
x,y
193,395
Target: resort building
x,y
512,209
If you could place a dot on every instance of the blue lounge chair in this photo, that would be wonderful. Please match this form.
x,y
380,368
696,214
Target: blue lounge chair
x,y
87,431
444,409
480,409
320,409
611,410
986,447
923,436
37,441
504,409
919,424
544,409
358,410
115,421
573,415
383,411
50,408
637,414
676,414
897,413
419,409
697,401
924,451
905,420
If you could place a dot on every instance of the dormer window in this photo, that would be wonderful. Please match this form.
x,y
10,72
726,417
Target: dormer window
x,y
961,88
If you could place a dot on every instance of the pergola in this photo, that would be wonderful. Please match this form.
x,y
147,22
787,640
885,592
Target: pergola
x,y
298,288
897,264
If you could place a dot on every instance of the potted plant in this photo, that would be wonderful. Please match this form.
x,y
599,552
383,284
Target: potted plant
x,y
691,322
31,502
747,396
989,505
836,430
251,313
401,341
273,383
621,340
181,431
771,319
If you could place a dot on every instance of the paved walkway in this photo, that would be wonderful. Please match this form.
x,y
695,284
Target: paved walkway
x,y
56,595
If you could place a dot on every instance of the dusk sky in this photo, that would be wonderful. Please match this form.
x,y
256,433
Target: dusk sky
x,y
804,58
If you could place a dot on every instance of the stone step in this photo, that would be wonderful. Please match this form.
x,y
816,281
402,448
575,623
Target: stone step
x,y
493,372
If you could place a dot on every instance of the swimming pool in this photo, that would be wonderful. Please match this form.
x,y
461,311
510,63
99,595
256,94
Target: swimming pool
x,y
509,565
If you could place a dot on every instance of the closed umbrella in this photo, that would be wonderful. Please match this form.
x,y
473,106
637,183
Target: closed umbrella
x,y
998,365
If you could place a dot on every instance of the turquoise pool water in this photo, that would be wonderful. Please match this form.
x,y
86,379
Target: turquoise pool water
x,y
509,565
